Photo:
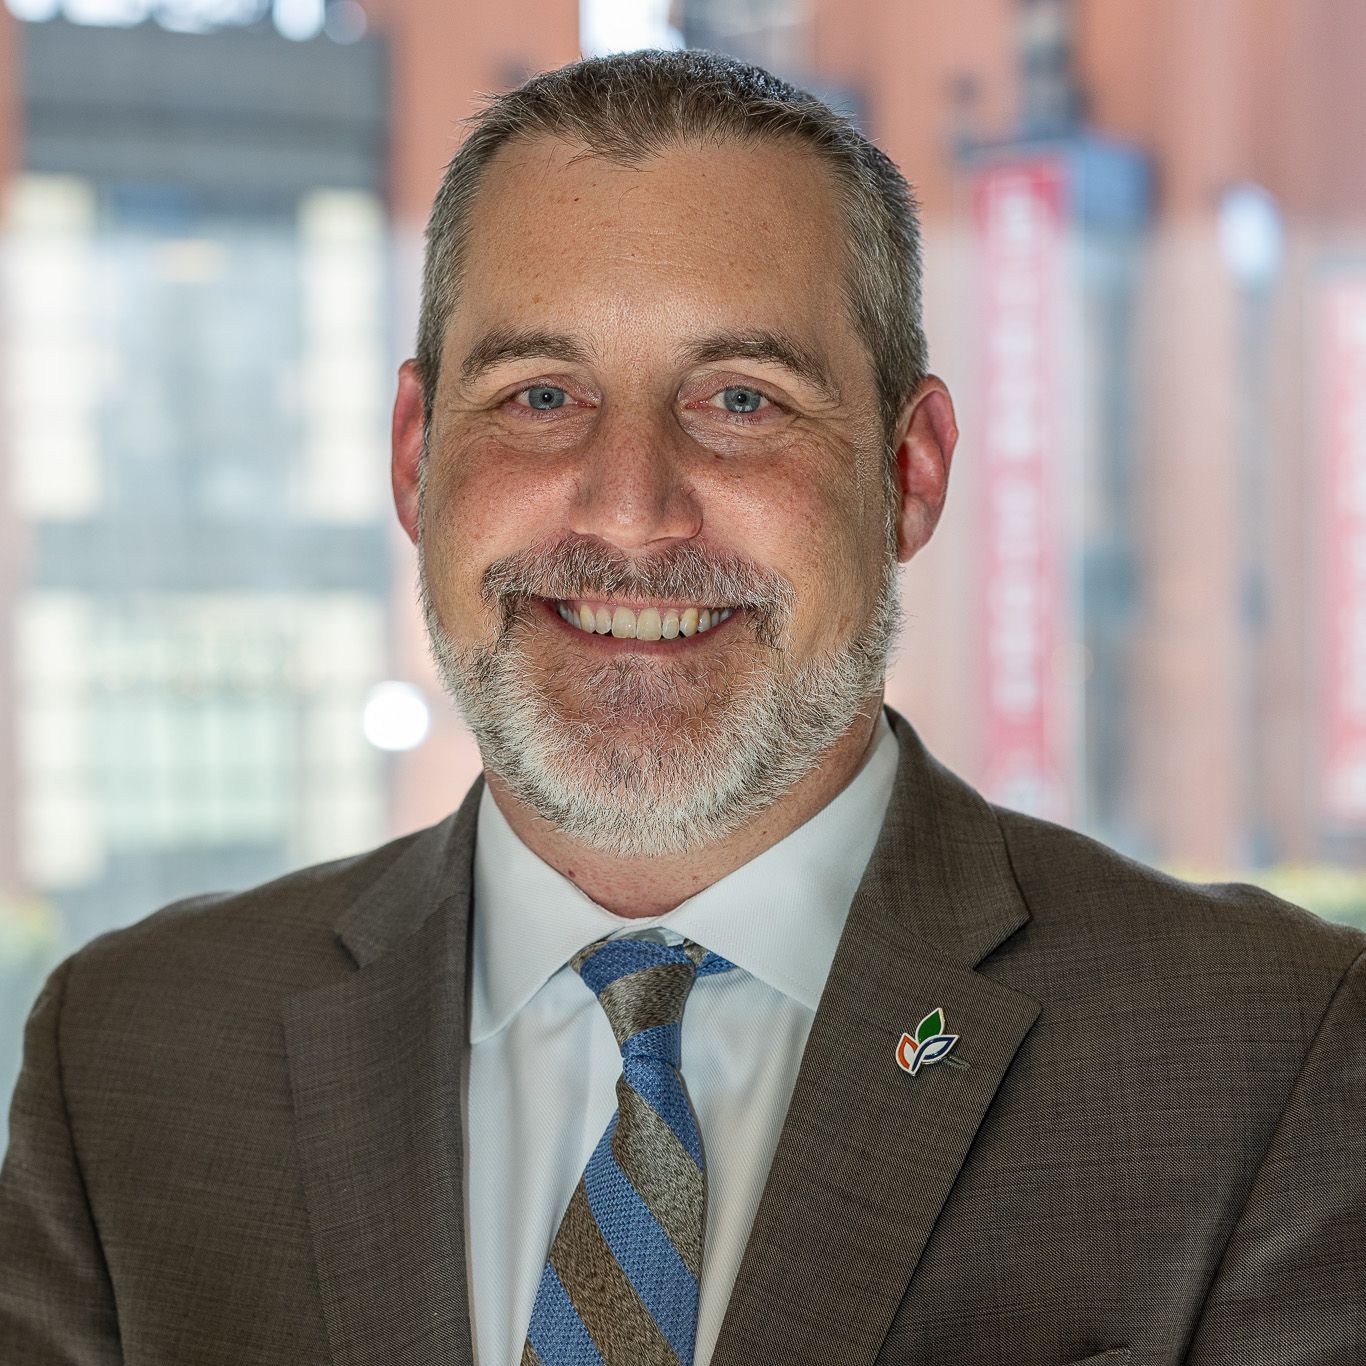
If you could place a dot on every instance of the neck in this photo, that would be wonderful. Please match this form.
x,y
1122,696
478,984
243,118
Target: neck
x,y
636,888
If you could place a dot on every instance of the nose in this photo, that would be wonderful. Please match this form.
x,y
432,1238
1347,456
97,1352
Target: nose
x,y
632,488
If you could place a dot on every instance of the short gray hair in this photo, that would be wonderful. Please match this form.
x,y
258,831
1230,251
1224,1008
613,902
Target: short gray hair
x,y
631,107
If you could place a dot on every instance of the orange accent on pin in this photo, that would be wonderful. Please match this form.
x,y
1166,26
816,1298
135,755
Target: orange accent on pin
x,y
905,1053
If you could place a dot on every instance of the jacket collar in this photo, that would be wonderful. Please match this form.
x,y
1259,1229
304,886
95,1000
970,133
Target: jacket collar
x,y
436,865
938,872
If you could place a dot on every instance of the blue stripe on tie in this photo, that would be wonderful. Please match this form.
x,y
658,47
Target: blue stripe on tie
x,y
618,957
557,1332
713,962
660,1087
663,1043
642,1249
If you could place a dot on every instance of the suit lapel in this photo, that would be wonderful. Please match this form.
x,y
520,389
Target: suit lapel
x,y
377,1069
868,1154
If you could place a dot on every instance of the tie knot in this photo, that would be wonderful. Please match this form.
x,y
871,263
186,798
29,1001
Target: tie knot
x,y
643,987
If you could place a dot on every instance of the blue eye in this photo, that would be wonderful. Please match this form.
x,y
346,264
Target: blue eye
x,y
545,397
740,400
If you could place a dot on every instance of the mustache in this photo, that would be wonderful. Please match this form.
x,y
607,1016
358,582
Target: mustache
x,y
587,567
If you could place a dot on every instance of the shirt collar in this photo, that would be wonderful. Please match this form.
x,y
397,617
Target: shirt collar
x,y
779,916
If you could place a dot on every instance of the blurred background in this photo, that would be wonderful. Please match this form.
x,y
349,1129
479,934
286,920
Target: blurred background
x,y
1145,245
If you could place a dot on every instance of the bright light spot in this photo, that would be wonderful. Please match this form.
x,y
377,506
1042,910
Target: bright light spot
x,y
1251,234
625,25
191,260
298,20
33,11
396,716
345,22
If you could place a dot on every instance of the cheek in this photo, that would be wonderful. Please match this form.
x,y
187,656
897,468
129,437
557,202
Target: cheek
x,y
816,541
844,578
476,511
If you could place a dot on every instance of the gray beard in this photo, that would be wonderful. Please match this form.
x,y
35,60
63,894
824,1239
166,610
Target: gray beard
x,y
651,773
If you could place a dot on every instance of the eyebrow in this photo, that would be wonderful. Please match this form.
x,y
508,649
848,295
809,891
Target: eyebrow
x,y
774,348
501,344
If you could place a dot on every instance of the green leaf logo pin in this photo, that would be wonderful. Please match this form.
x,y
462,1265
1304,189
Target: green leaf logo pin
x,y
930,1043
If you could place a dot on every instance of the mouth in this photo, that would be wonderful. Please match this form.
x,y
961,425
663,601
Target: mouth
x,y
642,626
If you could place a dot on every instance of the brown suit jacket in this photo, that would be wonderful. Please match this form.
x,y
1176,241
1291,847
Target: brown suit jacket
x,y
237,1135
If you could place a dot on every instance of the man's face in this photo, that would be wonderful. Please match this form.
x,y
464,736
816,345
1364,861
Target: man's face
x,y
652,405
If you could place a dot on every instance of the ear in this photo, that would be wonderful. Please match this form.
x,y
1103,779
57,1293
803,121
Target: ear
x,y
406,461
926,434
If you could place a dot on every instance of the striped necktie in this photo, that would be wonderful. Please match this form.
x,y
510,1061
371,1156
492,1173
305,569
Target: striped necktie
x,y
620,1285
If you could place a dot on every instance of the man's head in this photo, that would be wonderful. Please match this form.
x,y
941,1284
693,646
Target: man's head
x,y
670,357
628,109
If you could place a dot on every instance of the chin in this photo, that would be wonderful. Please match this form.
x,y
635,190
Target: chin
x,y
666,784
637,692
638,755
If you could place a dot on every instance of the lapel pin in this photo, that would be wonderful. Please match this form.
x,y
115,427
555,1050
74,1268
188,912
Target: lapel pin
x,y
929,1044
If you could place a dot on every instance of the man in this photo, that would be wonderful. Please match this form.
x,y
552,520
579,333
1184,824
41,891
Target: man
x,y
952,1085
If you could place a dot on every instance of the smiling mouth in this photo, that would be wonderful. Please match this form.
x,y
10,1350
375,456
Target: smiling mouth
x,y
643,622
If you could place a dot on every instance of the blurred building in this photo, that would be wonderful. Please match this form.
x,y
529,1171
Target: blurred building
x,y
1145,249
1144,613
195,339
200,256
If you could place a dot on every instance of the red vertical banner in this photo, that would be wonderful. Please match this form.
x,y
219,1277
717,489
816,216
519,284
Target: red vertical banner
x,y
1340,325
1020,226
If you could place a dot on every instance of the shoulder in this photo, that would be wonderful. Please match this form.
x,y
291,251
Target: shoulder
x,y
261,944
1064,873
1218,946
1190,1011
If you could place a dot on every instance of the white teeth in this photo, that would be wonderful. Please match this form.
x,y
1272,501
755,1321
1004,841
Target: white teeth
x,y
649,623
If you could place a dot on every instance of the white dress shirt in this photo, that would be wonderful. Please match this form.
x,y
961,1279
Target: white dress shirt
x,y
544,1064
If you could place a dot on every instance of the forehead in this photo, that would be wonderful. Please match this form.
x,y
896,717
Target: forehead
x,y
728,234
